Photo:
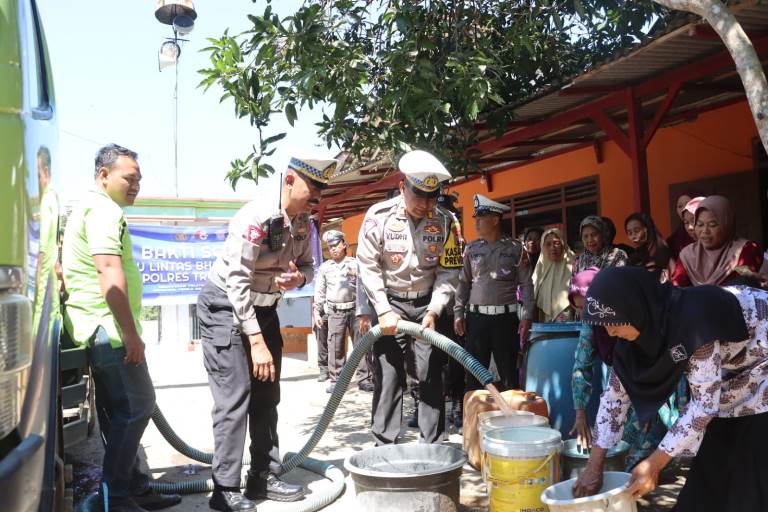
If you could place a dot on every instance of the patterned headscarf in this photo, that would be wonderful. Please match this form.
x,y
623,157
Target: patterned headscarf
x,y
673,323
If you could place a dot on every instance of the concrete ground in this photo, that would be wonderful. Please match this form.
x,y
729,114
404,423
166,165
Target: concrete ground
x,y
183,396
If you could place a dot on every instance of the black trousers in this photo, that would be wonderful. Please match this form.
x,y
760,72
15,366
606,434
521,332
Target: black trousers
x,y
391,354
240,400
453,371
729,472
321,336
497,335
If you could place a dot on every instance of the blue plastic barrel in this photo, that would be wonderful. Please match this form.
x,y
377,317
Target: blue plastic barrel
x,y
548,370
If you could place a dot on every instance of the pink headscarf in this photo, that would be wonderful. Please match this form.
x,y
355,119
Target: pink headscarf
x,y
601,341
581,281
694,203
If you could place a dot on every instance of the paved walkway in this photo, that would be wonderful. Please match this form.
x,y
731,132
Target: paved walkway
x,y
183,396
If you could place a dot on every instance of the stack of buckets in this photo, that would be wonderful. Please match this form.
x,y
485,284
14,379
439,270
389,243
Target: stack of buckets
x,y
521,458
521,467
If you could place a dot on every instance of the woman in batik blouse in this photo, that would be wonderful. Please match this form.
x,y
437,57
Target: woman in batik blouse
x,y
594,342
718,339
599,250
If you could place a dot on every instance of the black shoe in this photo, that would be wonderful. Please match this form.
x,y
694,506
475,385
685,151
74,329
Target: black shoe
x,y
153,500
95,503
272,488
322,377
231,501
330,387
365,386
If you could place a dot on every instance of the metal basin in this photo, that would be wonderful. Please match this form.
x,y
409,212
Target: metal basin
x,y
413,477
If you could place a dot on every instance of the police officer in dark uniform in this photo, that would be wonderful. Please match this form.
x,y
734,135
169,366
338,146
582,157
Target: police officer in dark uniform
x,y
267,252
336,295
486,298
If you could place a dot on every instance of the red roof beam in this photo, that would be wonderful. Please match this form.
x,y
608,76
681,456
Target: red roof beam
x,y
681,74
650,129
549,142
385,182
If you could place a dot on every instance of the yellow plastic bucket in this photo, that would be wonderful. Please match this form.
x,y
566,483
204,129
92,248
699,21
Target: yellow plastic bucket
x,y
519,463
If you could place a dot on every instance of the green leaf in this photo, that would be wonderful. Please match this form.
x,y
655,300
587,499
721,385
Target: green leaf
x,y
290,113
274,138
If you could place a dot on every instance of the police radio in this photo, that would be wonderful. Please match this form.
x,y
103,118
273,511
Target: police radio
x,y
276,223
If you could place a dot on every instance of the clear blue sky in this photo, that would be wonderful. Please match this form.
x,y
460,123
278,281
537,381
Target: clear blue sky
x,y
109,89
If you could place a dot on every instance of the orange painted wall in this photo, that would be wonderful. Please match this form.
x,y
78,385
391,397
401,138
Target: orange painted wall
x,y
716,143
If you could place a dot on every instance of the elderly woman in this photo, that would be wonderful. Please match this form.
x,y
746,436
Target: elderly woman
x,y
718,339
717,253
552,277
650,249
598,252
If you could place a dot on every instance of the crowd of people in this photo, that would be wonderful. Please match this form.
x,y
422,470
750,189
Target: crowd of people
x,y
412,263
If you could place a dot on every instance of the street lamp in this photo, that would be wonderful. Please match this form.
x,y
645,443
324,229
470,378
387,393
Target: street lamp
x,y
180,15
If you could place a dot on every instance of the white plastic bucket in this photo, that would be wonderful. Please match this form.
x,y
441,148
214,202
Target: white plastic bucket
x,y
519,463
611,498
492,420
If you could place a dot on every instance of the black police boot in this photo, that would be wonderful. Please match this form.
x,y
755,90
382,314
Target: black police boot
x,y
153,500
230,501
272,488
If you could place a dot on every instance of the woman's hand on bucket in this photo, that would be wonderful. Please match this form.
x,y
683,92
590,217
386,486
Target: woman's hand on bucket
x,y
645,476
589,482
591,479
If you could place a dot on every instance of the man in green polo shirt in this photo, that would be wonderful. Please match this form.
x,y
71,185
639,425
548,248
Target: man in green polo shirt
x,y
102,313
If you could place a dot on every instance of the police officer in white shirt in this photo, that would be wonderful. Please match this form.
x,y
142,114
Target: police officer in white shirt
x,y
267,252
409,253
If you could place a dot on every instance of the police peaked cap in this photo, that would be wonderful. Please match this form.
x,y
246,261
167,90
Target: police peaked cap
x,y
484,206
423,172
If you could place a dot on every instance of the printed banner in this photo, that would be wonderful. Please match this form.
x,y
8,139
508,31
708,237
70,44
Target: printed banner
x,y
174,261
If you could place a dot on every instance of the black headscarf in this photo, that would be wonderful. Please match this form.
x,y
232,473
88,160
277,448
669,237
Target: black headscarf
x,y
673,324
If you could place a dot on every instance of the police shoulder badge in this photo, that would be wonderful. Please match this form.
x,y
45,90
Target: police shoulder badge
x,y
254,234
